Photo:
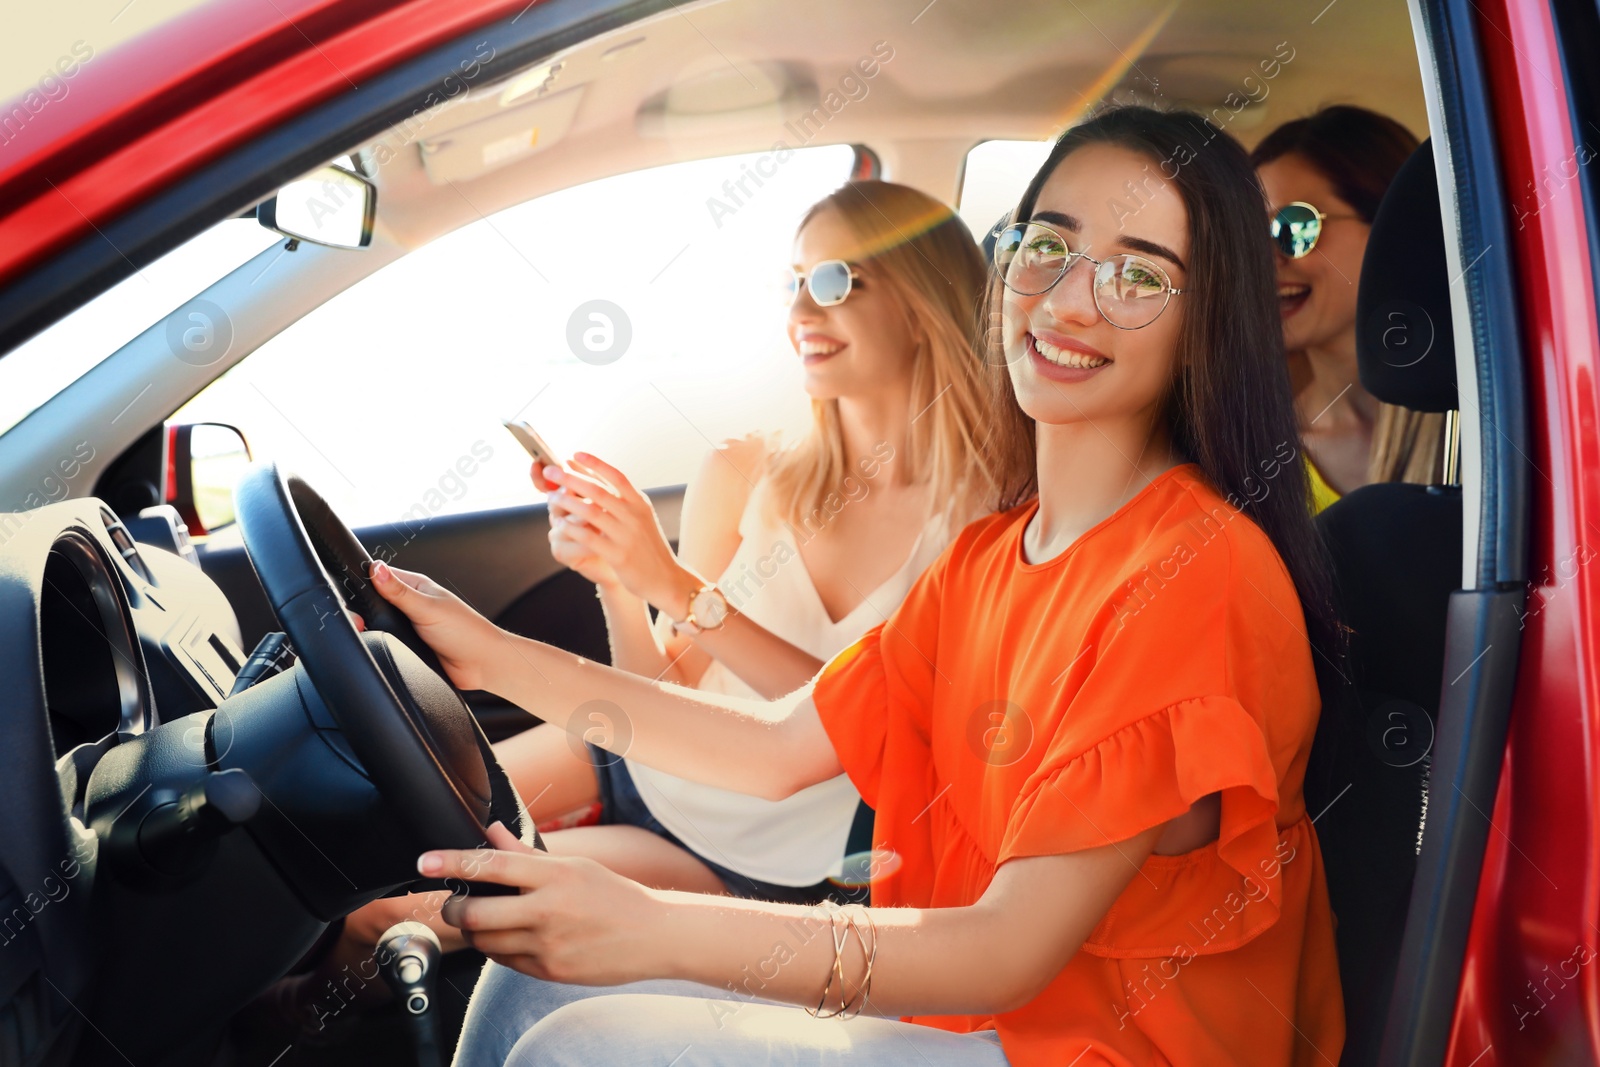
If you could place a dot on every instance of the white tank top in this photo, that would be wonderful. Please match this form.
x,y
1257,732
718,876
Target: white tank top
x,y
800,840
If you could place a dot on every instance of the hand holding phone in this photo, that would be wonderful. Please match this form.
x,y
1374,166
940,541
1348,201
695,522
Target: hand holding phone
x,y
543,454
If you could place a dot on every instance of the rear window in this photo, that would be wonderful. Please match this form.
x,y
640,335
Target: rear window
x,y
993,179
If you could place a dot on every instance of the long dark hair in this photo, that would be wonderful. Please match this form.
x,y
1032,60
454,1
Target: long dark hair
x,y
1231,411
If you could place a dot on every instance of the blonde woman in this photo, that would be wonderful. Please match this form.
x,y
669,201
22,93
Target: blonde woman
x,y
786,554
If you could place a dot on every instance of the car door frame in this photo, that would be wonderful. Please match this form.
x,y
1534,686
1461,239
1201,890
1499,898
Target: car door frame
x,y
1518,692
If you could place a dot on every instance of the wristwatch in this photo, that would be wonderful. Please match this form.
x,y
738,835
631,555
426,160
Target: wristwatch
x,y
707,610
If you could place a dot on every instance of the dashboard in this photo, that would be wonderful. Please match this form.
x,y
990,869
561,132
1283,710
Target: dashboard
x,y
102,638
130,635
159,785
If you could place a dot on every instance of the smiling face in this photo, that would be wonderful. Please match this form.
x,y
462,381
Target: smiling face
x,y
1317,292
866,344
1067,363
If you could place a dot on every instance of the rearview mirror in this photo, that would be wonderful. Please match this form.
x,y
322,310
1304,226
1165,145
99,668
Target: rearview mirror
x,y
204,462
330,206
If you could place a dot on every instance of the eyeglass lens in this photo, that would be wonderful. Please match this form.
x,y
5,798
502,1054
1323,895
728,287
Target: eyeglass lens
x,y
1295,230
829,282
1129,290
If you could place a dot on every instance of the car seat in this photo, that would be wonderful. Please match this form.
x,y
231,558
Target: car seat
x,y
1396,551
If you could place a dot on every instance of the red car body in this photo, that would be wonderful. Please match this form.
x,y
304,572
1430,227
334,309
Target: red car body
x,y
178,97
1528,990
152,111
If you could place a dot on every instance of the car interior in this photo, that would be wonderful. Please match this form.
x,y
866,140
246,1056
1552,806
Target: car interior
x,y
220,800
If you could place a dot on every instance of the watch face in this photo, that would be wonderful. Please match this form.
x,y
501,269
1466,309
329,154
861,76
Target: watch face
x,y
709,608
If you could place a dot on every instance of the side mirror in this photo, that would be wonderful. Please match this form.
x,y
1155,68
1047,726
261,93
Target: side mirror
x,y
330,206
204,462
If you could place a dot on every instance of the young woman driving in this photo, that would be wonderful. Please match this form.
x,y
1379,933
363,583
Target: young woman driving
x,y
1324,176
1084,730
786,556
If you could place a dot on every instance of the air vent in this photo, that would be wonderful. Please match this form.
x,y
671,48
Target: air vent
x,y
125,545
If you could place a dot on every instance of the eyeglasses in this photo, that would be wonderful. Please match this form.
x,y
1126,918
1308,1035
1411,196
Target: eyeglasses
x,y
1297,227
1130,291
830,282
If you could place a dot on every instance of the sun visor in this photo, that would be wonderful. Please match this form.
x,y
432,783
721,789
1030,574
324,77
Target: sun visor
x,y
465,152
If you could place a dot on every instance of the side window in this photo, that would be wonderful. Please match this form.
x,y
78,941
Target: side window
x,y
638,317
993,180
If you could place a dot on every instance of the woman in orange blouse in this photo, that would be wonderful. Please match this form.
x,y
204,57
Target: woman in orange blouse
x,y
1084,731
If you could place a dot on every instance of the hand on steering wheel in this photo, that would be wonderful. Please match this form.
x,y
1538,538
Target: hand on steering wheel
x,y
458,634
571,920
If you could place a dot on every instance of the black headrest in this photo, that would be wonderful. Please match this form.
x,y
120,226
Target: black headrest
x,y
1405,344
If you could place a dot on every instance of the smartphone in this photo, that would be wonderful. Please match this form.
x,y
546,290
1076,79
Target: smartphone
x,y
535,445
529,439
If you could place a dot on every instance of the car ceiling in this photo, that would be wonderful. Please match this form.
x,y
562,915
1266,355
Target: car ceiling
x,y
725,77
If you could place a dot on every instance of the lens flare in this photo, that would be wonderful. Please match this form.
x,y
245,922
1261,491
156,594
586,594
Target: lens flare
x,y
867,868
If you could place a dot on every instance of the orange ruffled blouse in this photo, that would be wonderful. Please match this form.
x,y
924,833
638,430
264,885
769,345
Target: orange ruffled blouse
x,y
1023,709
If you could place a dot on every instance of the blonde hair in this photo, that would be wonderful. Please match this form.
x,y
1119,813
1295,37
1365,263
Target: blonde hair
x,y
1407,446
923,254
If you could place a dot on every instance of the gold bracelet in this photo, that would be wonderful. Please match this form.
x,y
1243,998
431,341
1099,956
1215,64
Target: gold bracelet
x,y
870,955
849,1006
837,970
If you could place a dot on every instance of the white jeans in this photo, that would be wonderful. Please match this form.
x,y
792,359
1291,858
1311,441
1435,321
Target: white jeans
x,y
517,1021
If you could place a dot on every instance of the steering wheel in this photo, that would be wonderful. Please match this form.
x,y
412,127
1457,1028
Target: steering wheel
x,y
409,727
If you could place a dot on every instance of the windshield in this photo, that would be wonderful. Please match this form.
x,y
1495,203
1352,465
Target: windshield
x,y
48,362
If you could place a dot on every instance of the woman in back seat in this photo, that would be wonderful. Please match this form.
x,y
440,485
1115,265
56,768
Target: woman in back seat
x,y
1324,176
